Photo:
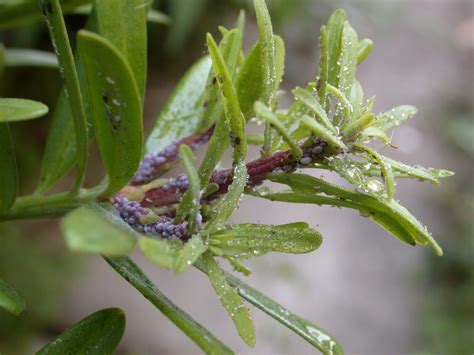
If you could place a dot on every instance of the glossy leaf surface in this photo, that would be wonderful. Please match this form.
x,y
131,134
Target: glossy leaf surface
x,y
230,300
181,114
115,106
244,241
99,333
123,23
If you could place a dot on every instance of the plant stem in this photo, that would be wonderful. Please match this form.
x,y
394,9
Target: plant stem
x,y
36,206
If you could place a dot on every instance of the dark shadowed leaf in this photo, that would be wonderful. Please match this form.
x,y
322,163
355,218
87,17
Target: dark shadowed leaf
x,y
99,333
8,168
10,299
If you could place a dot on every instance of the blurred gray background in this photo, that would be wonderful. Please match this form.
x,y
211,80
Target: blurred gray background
x,y
362,285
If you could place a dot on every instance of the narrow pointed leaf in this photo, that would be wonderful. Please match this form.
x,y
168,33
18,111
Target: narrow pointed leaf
x,y
97,229
334,28
313,104
8,168
231,199
60,152
190,203
128,270
10,300
230,48
230,300
264,112
363,49
12,110
16,57
250,240
348,59
365,203
161,252
267,52
418,172
181,114
323,133
394,117
115,106
250,80
314,335
323,65
52,12
99,333
123,23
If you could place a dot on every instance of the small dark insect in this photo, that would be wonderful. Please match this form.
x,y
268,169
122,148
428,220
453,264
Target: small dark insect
x,y
105,98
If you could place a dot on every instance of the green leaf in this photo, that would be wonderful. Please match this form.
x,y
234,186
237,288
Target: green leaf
x,y
12,110
250,83
28,11
128,270
394,117
230,48
363,49
348,59
313,104
323,65
230,300
342,99
215,149
323,132
245,241
59,36
231,199
264,112
232,110
191,251
10,299
9,175
402,170
16,57
190,203
123,23
334,27
99,333
389,214
181,114
97,229
267,53
184,15
61,148
308,331
161,252
115,106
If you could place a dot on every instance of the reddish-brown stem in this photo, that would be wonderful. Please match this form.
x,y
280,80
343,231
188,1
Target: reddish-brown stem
x,y
258,171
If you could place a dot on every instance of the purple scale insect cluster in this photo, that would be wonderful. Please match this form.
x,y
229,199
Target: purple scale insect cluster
x,y
152,161
131,212
181,182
